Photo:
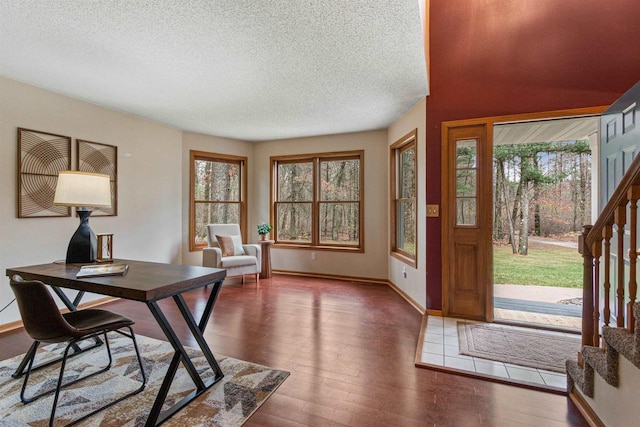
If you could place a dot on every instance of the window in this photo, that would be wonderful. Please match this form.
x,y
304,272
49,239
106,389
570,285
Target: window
x,y
217,194
404,208
317,200
466,181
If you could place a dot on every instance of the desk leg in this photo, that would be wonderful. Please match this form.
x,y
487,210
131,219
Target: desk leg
x,y
78,298
180,355
197,334
72,306
25,360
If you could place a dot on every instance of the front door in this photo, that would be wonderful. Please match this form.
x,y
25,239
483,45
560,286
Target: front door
x,y
466,207
619,134
620,144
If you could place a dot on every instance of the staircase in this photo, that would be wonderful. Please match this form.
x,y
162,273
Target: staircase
x,y
610,398
604,381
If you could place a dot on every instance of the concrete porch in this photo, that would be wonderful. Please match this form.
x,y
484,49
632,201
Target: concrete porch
x,y
538,305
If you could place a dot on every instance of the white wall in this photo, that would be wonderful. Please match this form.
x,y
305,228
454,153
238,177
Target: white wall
x,y
149,222
153,190
617,406
218,145
414,285
370,264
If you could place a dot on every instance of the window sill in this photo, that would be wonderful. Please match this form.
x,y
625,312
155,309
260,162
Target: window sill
x,y
318,248
407,260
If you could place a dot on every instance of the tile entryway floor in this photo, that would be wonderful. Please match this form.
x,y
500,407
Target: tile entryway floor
x,y
441,349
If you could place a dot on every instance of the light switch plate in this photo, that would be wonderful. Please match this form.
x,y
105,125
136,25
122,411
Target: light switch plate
x,y
433,211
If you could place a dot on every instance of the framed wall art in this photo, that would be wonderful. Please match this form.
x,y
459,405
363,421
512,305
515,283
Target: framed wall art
x,y
41,155
95,157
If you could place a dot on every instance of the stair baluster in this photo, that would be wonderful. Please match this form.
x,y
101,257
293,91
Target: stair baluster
x,y
607,233
597,253
620,219
633,195
587,287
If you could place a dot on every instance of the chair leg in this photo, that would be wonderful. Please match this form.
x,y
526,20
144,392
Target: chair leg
x,y
136,391
59,385
243,279
66,355
106,341
110,404
135,346
132,336
257,278
27,374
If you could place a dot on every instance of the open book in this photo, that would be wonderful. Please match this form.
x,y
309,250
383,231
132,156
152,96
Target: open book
x,y
103,270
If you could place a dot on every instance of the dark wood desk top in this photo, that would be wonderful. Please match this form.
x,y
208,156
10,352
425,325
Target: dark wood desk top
x,y
144,281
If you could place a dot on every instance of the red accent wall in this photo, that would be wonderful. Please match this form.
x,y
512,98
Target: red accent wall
x,y
498,57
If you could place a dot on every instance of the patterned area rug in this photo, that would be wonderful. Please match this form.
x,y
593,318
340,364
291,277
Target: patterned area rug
x,y
517,346
230,402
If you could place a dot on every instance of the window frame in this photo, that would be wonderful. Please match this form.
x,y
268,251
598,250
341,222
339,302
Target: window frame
x,y
220,158
406,142
316,202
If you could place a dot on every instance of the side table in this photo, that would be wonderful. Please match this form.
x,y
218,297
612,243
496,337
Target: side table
x,y
265,271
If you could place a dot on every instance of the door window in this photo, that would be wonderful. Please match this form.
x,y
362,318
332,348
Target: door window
x,y
466,181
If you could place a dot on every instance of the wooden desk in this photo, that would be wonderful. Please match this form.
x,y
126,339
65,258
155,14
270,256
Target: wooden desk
x,y
147,282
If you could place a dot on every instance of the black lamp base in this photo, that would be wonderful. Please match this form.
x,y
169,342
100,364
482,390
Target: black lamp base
x,y
83,247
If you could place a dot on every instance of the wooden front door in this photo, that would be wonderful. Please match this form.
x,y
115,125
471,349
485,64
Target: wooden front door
x,y
467,207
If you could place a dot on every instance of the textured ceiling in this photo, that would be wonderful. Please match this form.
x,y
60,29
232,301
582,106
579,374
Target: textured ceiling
x,y
246,69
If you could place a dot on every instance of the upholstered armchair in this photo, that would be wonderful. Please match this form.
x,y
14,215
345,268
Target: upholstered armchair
x,y
226,250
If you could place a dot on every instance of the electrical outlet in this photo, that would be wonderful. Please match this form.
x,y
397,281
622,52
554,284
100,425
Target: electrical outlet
x,y
313,256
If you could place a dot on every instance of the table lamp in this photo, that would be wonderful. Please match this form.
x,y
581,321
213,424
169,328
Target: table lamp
x,y
83,190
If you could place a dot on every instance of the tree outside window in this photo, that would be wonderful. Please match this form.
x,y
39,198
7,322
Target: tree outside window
x,y
404,211
217,194
317,200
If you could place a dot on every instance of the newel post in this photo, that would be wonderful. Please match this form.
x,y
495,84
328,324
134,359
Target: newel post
x,y
587,287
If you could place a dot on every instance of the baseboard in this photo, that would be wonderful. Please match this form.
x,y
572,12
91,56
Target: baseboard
x,y
12,326
6,327
420,345
587,412
406,296
403,294
332,276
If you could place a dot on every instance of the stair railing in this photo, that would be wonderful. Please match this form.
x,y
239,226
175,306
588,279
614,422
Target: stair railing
x,y
595,247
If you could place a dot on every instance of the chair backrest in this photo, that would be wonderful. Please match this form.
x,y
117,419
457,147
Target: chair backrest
x,y
40,315
221,230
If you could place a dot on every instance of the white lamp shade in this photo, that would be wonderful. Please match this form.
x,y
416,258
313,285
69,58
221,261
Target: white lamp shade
x,y
83,189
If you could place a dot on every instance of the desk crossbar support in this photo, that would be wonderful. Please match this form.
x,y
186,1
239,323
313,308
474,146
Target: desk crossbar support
x,y
197,334
156,416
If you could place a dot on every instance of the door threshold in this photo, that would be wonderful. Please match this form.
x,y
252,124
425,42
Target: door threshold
x,y
541,326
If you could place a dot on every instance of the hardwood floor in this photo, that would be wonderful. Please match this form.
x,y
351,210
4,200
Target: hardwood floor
x,y
350,348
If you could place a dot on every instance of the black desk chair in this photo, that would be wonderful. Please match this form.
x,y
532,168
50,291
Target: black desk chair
x,y
44,323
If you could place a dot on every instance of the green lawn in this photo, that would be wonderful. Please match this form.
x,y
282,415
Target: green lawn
x,y
545,265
